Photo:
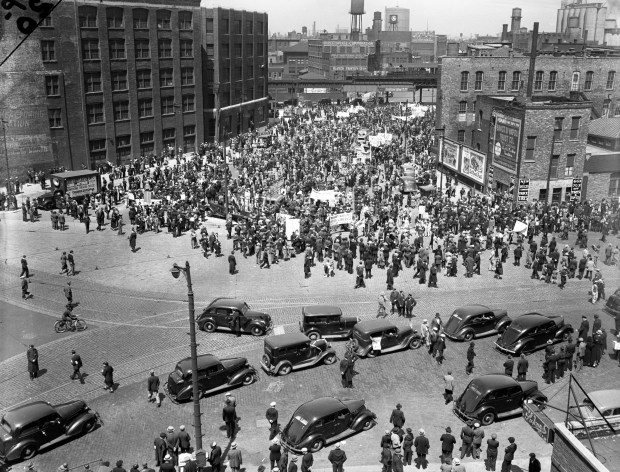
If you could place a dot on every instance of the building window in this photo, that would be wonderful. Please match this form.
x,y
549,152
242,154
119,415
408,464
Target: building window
x,y
163,19
187,48
165,48
463,106
95,113
570,165
185,20
461,136
187,76
117,49
146,137
516,80
167,105
47,22
143,77
605,111
145,107
88,17
553,78
611,77
225,50
189,103
210,50
97,149
557,128
478,81
556,195
538,80
249,27
165,78
121,110
189,138
142,49
48,51
169,136
501,81
238,50
236,26
92,82
617,110
530,148
122,142
119,80
115,18
553,168
260,49
574,83
574,127
52,87
140,19
55,117
614,185
210,28
260,26
90,49
588,83
464,81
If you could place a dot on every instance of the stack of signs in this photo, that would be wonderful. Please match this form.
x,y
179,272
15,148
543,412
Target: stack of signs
x,y
576,189
524,190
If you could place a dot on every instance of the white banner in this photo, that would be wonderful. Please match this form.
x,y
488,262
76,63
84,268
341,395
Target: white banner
x,y
341,219
323,195
291,226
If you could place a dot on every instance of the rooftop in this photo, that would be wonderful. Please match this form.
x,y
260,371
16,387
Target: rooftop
x,y
605,127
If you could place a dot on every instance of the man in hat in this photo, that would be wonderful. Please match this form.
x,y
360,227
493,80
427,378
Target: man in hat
x,y
492,446
534,464
25,293
382,301
470,358
440,347
337,457
307,460
184,439
232,263
133,237
386,440
581,354
231,397
509,366
146,468
215,457
172,444
229,416
433,337
76,362
168,464
477,441
447,444
467,437
25,272
421,445
69,294
108,376
119,467
275,452
408,447
457,466
398,417
272,416
153,389
33,361
522,367
292,467
584,328
235,460
160,446
509,455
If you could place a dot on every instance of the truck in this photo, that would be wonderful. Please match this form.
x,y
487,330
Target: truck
x,y
76,183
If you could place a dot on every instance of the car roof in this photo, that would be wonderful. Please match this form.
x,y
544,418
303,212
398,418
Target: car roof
x,y
203,360
604,399
488,382
530,320
282,340
321,310
26,414
226,302
318,408
471,310
370,326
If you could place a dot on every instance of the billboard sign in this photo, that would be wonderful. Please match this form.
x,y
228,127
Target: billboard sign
x,y
450,154
576,189
506,142
79,186
473,164
524,190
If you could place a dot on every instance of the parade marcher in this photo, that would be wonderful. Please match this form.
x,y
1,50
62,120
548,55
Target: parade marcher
x,y
33,361
153,388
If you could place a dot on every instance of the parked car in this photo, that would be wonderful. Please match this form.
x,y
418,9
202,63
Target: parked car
x,y
489,397
613,305
47,201
323,321
408,184
325,420
373,337
287,352
529,332
217,210
213,374
590,413
473,321
26,429
220,314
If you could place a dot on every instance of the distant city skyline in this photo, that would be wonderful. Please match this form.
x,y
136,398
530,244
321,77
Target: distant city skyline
x,y
451,17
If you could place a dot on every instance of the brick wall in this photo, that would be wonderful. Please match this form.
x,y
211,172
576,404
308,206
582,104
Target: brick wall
x,y
598,186
569,455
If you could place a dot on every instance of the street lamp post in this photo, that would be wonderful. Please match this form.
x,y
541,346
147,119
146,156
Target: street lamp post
x,y
6,156
176,271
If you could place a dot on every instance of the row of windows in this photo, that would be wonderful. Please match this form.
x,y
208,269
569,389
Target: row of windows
x,y
236,26
539,80
90,48
116,20
95,111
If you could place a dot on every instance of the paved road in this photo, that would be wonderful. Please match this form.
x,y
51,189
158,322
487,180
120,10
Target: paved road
x,y
141,315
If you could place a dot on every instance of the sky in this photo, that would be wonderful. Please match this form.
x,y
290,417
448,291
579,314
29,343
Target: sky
x,y
450,17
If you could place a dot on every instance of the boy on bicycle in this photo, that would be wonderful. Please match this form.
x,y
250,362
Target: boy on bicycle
x,y
69,318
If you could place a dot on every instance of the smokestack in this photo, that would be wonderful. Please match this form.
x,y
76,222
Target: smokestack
x,y
504,32
533,51
515,24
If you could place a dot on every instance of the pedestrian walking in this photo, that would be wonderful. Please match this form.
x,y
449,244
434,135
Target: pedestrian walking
x,y
522,367
492,447
25,292
382,302
235,460
447,445
71,262
509,455
470,358
229,415
421,445
275,452
33,361
397,418
272,417
69,294
76,362
25,273
581,354
108,376
86,221
337,457
448,382
133,237
534,464
153,389
215,457
63,263
232,263
440,347
509,366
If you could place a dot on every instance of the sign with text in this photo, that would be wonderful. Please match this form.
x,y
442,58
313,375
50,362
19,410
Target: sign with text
x,y
576,189
473,164
506,142
539,421
491,179
450,154
341,219
78,186
524,190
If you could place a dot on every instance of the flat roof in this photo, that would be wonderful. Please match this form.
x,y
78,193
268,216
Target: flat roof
x,y
74,173
280,340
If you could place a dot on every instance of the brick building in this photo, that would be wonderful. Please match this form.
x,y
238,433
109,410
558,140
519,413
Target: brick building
x,y
602,167
464,78
112,79
338,58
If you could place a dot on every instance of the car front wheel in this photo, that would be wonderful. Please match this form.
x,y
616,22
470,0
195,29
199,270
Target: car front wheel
x,y
314,335
90,425
371,353
565,336
28,452
285,369
367,424
209,326
415,343
488,418
330,359
317,445
468,336
257,331
248,379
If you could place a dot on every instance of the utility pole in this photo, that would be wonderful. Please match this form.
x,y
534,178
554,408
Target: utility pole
x,y
6,156
218,131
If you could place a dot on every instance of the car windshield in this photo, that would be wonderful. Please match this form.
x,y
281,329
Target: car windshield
x,y
471,397
245,308
453,322
357,334
296,428
510,335
179,371
6,426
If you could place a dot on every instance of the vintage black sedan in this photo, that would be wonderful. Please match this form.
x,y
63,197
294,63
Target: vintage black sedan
x,y
221,312
325,420
373,337
494,396
530,332
292,351
326,321
473,321
27,428
213,374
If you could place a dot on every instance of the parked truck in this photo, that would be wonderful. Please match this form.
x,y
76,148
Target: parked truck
x,y
76,184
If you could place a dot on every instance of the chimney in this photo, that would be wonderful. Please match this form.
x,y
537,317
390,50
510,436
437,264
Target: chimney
x,y
533,51
504,31
515,24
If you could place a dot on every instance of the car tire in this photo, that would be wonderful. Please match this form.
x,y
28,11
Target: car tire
x,y
257,331
367,424
488,418
89,425
209,326
526,349
468,336
248,379
371,353
314,335
191,395
28,452
329,359
565,336
285,369
415,343
317,445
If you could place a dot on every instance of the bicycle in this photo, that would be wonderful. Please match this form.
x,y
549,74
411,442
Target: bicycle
x,y
61,326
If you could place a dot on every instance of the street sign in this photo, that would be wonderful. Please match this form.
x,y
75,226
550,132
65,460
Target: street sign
x,y
524,190
490,180
576,189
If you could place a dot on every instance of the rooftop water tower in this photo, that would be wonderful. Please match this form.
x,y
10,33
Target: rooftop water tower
x,y
356,12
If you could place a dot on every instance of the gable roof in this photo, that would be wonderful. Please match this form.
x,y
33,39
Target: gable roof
x,y
605,127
